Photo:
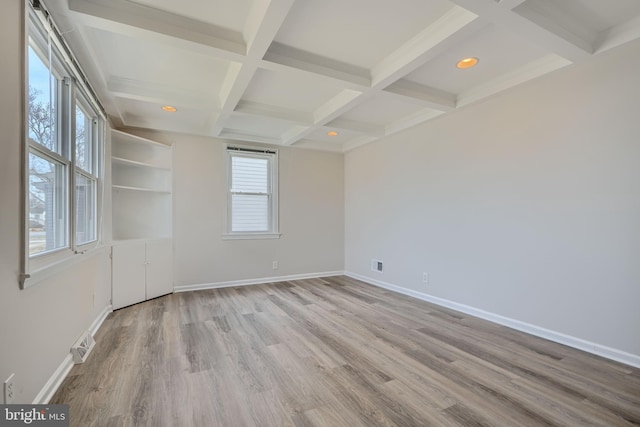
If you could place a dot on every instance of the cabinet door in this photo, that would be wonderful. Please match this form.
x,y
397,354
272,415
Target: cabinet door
x,y
159,268
129,274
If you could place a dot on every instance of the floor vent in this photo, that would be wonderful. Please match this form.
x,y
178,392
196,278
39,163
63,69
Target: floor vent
x,y
81,349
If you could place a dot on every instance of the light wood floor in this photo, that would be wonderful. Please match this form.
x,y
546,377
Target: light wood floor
x,y
334,352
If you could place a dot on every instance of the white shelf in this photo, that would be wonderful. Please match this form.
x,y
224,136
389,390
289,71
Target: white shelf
x,y
138,139
128,162
145,190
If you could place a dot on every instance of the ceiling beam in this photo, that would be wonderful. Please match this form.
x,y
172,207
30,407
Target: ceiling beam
x,y
330,110
424,46
335,106
266,19
305,120
160,22
280,57
280,113
240,135
320,145
423,95
158,93
356,126
523,20
618,35
529,71
510,4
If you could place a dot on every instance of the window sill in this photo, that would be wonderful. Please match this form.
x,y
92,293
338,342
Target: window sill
x,y
36,276
251,236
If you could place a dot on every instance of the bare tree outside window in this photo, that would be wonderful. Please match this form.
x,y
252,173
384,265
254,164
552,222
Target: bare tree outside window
x,y
46,180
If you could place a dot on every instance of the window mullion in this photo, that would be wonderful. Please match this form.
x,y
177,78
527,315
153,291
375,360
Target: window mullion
x,y
45,152
86,174
68,147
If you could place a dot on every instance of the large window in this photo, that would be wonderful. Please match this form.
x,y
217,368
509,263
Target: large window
x,y
63,160
252,199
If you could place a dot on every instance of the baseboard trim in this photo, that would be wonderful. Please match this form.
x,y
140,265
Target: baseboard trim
x,y
95,326
258,281
51,386
578,343
54,382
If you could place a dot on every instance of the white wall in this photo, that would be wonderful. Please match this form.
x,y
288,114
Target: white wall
x,y
311,215
527,205
37,325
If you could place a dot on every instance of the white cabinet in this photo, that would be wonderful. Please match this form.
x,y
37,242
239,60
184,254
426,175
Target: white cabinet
x,y
159,268
142,219
141,270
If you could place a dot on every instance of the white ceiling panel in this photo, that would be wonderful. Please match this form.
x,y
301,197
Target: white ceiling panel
x,y
286,72
593,15
357,32
381,109
149,115
226,14
301,93
120,56
258,125
497,51
321,134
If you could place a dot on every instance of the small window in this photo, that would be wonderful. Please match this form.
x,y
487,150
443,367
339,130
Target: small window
x,y
252,202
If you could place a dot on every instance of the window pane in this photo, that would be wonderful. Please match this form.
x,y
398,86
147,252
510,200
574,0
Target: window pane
x,y
84,148
85,209
47,205
249,212
42,103
249,175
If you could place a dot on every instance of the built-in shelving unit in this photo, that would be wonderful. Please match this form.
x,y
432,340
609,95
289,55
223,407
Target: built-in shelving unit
x,y
141,187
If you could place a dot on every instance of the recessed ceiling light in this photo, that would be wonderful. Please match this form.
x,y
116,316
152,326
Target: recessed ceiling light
x,y
169,108
467,63
332,133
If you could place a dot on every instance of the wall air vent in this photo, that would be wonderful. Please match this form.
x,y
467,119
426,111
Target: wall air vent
x,y
81,349
376,265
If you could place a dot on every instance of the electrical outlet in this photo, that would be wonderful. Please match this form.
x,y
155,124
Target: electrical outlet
x,y
275,265
425,277
9,390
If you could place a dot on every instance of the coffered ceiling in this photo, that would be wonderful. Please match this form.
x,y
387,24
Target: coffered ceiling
x,y
287,72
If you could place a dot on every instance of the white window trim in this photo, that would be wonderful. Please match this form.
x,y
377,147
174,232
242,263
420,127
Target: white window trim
x,y
273,170
35,268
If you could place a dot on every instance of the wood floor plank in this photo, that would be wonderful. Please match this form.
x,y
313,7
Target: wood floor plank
x,y
334,352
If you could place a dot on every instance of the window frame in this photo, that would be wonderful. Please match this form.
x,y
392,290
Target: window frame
x,y
92,176
271,156
71,90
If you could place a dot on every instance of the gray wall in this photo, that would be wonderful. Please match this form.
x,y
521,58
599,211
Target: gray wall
x,y
526,206
311,215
